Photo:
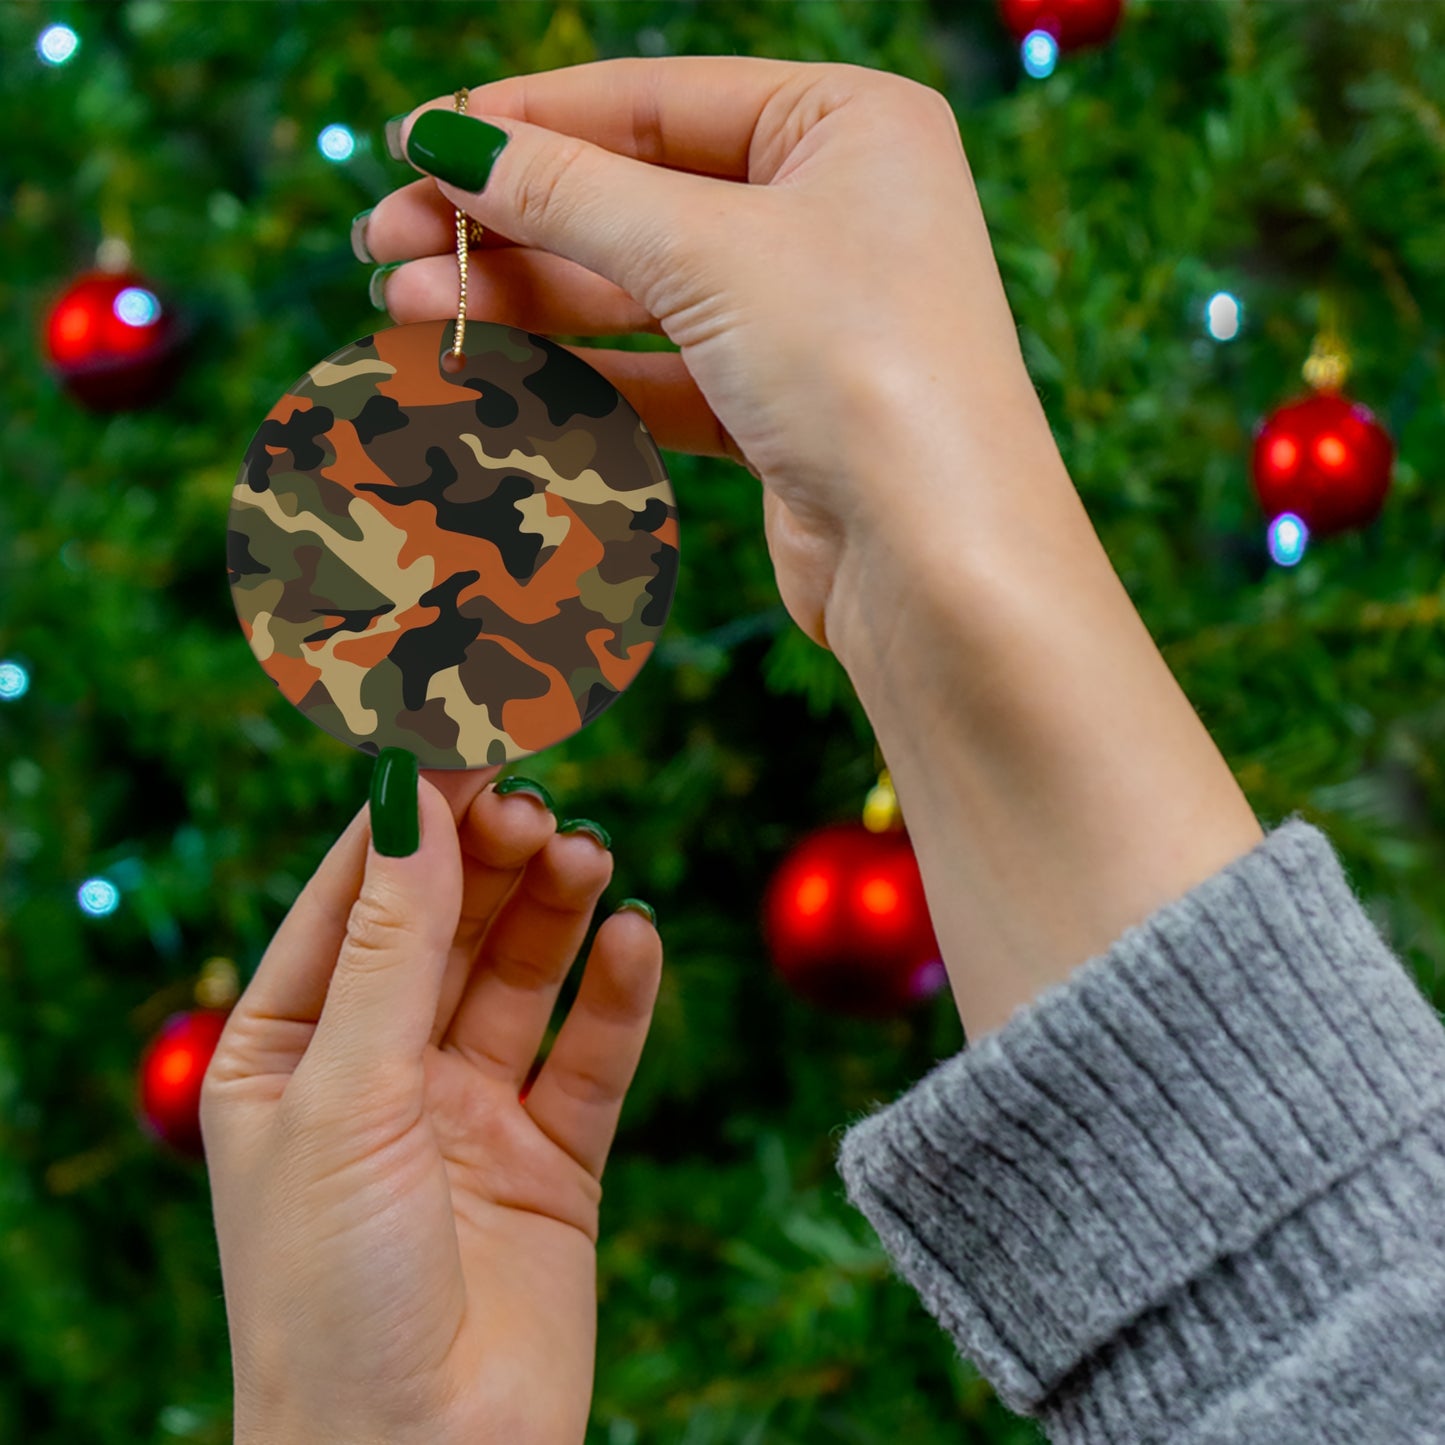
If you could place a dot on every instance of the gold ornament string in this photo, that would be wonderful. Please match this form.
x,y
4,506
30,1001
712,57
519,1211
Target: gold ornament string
x,y
469,233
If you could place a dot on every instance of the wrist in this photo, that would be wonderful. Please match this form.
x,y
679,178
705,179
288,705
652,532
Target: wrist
x,y
1056,783
949,473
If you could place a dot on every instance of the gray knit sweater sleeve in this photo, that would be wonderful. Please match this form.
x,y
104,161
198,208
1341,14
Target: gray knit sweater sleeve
x,y
1196,1192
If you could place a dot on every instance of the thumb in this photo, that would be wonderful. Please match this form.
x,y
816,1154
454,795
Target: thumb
x,y
382,999
633,223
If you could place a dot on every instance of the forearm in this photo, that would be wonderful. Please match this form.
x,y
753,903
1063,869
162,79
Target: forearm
x,y
1057,784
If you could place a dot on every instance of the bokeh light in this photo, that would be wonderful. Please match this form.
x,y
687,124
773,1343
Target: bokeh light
x,y
879,897
98,897
57,44
336,143
137,307
1223,316
14,681
813,894
1288,537
1040,52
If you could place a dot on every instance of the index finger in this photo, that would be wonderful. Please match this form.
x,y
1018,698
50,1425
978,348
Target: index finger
x,y
696,113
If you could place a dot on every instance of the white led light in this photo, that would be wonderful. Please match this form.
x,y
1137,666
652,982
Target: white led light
x,y
1288,537
57,44
1223,316
336,143
14,681
136,306
98,897
1040,52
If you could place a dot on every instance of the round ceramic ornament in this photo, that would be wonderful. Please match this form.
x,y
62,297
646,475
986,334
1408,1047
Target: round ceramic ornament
x,y
470,564
453,538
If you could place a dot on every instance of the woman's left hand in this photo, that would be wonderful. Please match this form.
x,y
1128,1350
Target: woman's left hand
x,y
407,1235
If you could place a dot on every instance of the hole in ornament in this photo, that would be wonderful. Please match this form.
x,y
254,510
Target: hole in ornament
x,y
451,362
1331,451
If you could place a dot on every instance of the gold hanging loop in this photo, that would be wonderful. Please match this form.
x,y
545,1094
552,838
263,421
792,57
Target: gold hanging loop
x,y
469,233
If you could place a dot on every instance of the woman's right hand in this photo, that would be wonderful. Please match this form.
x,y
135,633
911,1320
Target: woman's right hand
x,y
840,302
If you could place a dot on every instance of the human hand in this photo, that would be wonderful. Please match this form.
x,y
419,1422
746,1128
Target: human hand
x,y
843,329
407,1235
845,298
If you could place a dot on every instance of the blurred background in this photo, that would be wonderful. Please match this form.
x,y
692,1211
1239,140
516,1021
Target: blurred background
x,y
1205,211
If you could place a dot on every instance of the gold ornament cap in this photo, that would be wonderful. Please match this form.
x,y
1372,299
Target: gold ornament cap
x,y
1328,365
219,985
881,812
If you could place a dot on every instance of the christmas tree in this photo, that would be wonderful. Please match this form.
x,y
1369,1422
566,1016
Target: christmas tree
x,y
1179,213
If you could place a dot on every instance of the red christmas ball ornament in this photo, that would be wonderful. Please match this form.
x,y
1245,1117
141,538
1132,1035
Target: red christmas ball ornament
x,y
847,924
112,341
1073,23
171,1072
1326,459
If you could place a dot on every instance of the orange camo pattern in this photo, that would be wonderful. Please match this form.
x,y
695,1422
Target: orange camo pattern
x,y
470,565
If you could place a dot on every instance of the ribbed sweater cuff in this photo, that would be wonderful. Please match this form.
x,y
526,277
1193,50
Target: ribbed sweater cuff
x,y
1143,1166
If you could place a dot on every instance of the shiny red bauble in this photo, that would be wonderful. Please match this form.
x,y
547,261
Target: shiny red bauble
x,y
112,340
171,1072
1324,458
847,924
1073,23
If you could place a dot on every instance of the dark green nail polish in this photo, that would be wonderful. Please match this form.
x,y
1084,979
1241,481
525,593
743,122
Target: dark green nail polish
x,y
636,905
395,824
358,237
392,132
586,825
515,784
455,148
376,289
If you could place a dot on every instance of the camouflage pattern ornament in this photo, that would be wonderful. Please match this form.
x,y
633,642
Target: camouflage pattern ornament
x,y
469,560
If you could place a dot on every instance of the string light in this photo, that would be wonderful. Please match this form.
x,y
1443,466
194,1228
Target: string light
x,y
14,681
336,143
98,897
136,306
1040,53
57,44
1288,537
1223,316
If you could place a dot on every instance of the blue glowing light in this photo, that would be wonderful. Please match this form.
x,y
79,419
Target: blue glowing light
x,y
57,44
1288,537
14,681
98,897
137,307
336,143
1040,52
1223,316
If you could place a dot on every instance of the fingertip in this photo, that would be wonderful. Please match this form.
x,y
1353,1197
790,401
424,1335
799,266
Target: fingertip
x,y
630,958
635,944
636,905
393,130
506,830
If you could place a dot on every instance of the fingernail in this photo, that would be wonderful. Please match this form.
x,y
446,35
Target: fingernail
x,y
392,131
458,149
515,784
395,821
358,236
636,905
376,288
586,825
